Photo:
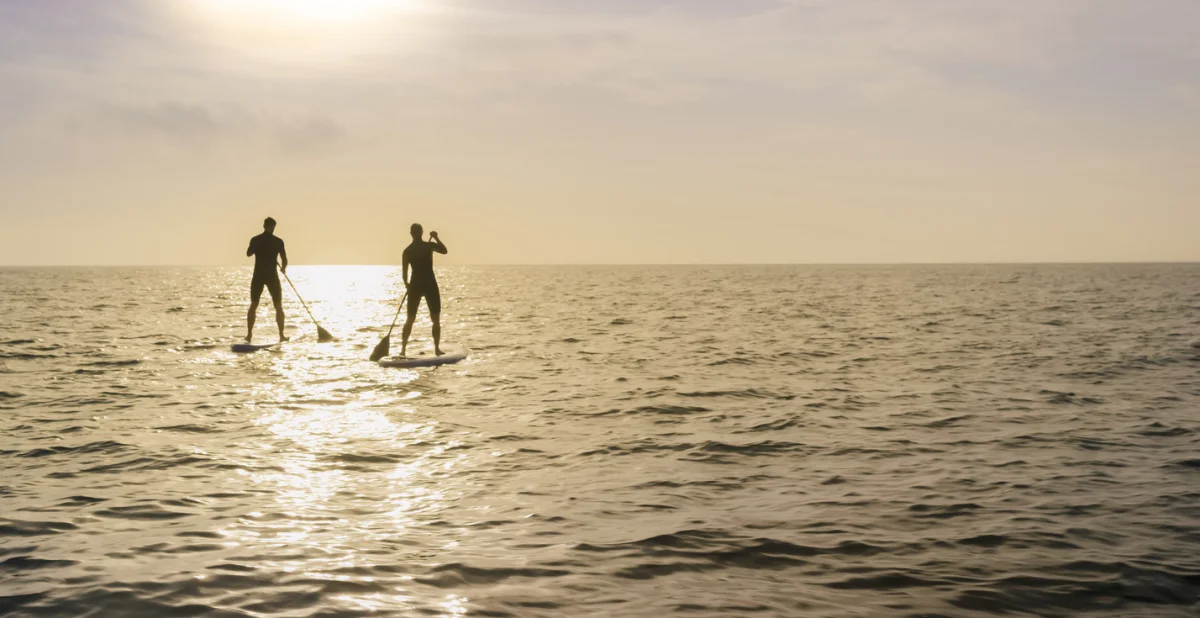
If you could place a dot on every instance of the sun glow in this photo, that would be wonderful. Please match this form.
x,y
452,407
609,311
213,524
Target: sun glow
x,y
321,30
308,10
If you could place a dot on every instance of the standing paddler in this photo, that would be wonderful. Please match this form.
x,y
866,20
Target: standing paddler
x,y
419,256
266,248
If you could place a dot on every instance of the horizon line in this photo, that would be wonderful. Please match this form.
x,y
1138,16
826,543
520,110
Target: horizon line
x,y
639,264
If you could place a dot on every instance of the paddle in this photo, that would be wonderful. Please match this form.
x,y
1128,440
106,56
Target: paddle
x,y
323,335
383,348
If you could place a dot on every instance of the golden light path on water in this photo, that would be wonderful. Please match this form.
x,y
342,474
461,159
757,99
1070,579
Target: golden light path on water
x,y
319,414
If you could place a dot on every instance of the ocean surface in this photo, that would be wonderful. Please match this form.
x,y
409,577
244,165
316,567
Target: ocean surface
x,y
622,441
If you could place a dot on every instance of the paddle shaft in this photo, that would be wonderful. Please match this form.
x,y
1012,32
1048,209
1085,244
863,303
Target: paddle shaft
x,y
302,303
397,318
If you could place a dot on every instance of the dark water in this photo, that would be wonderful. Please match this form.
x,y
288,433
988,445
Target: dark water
x,y
776,441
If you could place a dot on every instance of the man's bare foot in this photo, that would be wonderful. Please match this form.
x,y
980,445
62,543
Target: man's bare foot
x,y
438,352
282,338
248,338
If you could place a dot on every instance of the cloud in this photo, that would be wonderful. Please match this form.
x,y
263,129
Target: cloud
x,y
990,55
197,126
915,63
316,135
183,121
877,52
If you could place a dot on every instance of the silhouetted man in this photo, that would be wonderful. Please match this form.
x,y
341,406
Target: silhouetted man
x,y
265,248
419,255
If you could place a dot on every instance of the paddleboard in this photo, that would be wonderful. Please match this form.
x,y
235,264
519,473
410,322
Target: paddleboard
x,y
244,348
424,361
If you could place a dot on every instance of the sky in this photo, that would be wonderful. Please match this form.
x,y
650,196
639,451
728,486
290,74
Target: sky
x,y
600,131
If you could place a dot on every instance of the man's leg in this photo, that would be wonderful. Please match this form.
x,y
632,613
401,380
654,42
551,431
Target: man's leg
x,y
437,334
277,299
414,302
434,300
255,293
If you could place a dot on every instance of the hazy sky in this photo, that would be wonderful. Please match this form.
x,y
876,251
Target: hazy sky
x,y
601,131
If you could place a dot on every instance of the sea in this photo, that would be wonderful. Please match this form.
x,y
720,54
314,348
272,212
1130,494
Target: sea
x,y
707,441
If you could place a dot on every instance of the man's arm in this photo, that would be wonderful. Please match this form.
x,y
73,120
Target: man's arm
x,y
283,256
250,249
404,269
437,243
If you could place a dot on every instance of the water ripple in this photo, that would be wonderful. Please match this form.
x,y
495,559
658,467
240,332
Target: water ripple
x,y
638,441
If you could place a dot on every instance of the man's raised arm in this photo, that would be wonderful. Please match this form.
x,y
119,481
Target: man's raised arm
x,y
438,245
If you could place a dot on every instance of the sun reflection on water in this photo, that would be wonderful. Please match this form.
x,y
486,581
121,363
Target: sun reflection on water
x,y
356,304
318,445
353,465
455,605
348,298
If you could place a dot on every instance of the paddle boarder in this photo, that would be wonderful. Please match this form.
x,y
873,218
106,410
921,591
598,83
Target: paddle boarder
x,y
266,248
422,284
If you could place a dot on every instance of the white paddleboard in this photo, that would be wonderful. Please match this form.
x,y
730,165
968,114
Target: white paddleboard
x,y
244,348
424,361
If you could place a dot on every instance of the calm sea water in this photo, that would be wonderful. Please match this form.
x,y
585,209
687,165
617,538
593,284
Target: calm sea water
x,y
776,441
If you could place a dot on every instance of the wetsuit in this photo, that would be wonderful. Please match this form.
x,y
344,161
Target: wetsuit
x,y
422,283
266,248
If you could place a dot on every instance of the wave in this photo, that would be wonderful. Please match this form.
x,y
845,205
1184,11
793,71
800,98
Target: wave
x,y
189,428
737,360
100,447
18,528
19,564
944,511
355,458
114,363
1094,587
457,575
26,356
707,550
140,512
766,447
1158,430
776,425
947,422
669,410
889,580
748,393
138,464
1193,464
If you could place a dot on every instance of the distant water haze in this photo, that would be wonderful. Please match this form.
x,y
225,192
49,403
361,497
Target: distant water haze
x,y
623,441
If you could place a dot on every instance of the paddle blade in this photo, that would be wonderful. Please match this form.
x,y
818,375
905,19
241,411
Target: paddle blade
x,y
323,335
382,349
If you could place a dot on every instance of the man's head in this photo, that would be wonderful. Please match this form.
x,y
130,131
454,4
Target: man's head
x,y
269,224
417,231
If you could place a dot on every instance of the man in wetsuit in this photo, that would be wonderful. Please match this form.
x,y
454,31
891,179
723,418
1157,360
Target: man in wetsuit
x,y
265,248
419,255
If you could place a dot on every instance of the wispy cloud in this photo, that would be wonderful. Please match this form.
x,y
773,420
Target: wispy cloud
x,y
192,125
316,135
870,52
188,122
